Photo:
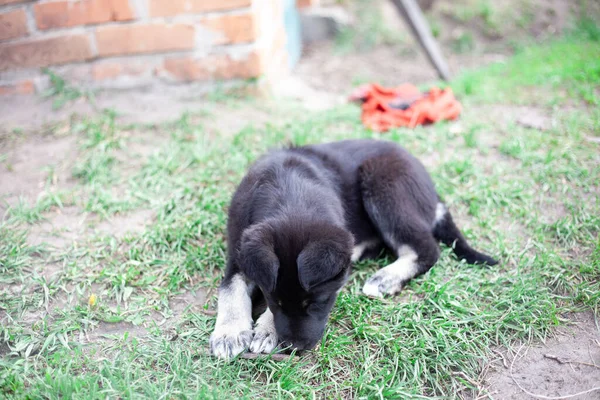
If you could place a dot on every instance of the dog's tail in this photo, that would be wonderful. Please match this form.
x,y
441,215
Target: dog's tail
x,y
448,233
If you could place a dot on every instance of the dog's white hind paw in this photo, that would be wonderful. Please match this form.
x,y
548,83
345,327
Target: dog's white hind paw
x,y
382,283
391,279
372,290
228,342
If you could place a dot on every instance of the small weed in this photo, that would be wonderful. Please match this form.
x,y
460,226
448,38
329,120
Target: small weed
x,y
463,43
435,26
61,92
470,137
588,29
369,33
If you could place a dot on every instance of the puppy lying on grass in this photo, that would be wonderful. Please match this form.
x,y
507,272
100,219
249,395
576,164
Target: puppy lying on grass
x,y
299,219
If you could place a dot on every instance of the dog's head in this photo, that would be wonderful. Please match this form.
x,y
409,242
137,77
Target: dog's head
x,y
300,268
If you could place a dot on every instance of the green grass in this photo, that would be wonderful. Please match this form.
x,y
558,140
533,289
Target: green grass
x,y
530,198
370,32
547,74
62,93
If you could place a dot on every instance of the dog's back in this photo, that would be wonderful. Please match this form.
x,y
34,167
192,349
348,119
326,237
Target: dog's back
x,y
345,161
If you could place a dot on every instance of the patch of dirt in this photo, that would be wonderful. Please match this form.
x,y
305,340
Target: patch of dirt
x,y
122,224
64,226
511,19
552,17
493,122
535,120
568,363
118,329
225,120
61,227
194,299
217,126
141,145
147,107
297,89
34,166
4,349
527,116
135,107
325,69
218,119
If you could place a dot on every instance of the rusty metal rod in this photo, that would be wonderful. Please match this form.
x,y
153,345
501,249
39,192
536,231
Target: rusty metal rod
x,y
411,12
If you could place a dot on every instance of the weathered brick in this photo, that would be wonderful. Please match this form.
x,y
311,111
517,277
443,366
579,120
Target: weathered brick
x,y
114,69
307,3
231,28
4,2
212,67
106,71
41,53
279,39
271,47
148,38
167,8
64,13
267,13
13,24
23,87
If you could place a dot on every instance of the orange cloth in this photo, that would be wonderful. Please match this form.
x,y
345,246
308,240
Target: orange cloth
x,y
380,114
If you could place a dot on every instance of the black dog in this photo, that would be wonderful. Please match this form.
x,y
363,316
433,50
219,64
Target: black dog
x,y
298,220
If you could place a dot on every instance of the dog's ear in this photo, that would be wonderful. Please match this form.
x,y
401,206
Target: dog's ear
x,y
324,260
257,256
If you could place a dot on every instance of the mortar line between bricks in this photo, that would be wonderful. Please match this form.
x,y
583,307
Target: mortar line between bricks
x,y
12,7
31,25
40,1
187,18
41,35
209,14
232,50
18,74
177,53
93,43
141,9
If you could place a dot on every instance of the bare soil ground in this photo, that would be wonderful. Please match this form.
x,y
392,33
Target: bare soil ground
x,y
567,364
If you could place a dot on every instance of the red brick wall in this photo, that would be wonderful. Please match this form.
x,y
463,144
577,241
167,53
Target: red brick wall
x,y
127,43
307,3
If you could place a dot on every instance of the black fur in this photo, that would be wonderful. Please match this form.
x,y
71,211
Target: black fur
x,y
296,215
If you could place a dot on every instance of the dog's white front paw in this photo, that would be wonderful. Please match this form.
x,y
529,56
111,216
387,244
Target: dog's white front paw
x,y
228,341
265,334
383,283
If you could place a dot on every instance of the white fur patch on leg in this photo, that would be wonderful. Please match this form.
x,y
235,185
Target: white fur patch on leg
x,y
360,248
440,213
265,335
391,279
233,329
